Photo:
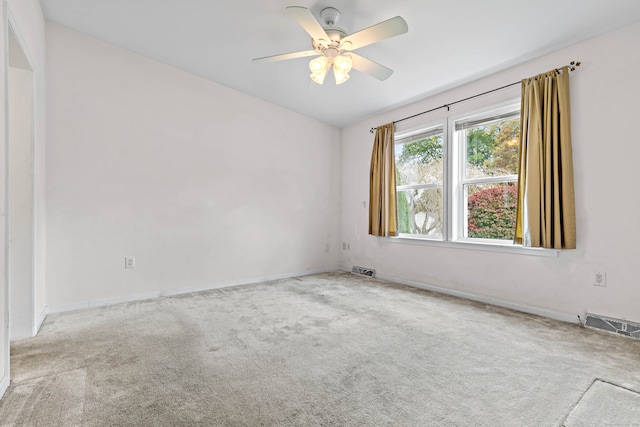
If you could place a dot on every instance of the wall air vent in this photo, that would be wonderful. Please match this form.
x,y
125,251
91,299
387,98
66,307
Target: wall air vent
x,y
363,271
616,326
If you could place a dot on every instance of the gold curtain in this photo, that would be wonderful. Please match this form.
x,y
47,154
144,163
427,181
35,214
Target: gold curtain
x,y
383,217
545,215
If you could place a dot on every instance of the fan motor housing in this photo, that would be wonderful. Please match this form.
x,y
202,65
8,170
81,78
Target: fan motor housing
x,y
335,35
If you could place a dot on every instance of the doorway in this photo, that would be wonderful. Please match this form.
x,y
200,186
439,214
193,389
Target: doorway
x,y
20,191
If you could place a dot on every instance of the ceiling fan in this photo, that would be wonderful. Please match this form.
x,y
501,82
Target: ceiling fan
x,y
333,46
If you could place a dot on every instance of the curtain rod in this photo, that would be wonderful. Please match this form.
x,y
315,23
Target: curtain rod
x,y
572,67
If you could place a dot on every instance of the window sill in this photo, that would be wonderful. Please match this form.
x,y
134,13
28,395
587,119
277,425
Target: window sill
x,y
475,246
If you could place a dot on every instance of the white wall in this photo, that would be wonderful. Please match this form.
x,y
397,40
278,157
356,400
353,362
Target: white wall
x,y
20,203
28,23
604,96
203,185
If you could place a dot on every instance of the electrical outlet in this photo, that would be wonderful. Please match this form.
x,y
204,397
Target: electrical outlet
x,y
599,278
344,246
326,247
129,262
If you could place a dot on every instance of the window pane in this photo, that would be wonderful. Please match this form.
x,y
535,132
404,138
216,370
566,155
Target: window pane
x,y
491,210
420,161
492,149
420,211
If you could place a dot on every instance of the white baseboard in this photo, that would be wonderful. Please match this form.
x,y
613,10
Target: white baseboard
x,y
563,317
4,385
40,320
179,291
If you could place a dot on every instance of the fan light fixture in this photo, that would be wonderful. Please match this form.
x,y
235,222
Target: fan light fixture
x,y
320,66
334,46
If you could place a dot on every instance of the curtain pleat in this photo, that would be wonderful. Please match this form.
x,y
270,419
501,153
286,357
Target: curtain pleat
x,y
383,217
545,215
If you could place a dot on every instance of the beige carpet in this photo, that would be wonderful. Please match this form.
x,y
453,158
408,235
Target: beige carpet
x,y
324,350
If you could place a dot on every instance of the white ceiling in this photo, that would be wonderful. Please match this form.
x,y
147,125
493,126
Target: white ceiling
x,y
449,42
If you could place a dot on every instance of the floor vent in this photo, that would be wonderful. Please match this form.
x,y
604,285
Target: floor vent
x,y
363,271
617,326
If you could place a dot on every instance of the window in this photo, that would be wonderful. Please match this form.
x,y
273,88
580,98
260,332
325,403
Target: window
x,y
420,182
457,179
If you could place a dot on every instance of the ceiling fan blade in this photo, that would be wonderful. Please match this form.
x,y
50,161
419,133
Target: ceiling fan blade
x,y
307,21
367,66
384,30
285,56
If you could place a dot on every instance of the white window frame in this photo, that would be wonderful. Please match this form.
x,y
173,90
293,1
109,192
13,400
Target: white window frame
x,y
409,137
454,203
459,221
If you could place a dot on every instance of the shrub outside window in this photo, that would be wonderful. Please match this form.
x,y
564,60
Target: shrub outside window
x,y
489,175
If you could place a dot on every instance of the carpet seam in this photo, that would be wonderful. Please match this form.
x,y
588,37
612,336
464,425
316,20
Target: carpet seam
x,y
619,386
570,410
